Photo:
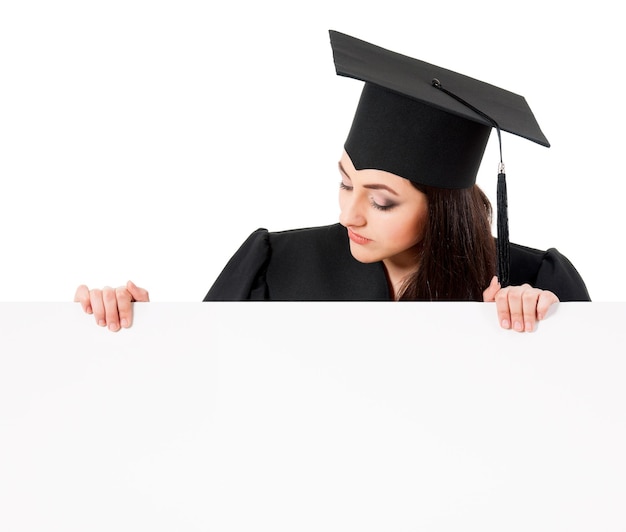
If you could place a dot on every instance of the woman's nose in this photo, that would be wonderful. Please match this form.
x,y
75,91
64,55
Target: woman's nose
x,y
351,211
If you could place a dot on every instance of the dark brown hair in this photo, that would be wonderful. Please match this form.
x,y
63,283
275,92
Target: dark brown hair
x,y
457,258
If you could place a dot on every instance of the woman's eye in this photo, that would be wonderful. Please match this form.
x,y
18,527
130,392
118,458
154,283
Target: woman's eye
x,y
343,186
382,205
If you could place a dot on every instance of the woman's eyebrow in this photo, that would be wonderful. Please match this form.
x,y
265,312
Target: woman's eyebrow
x,y
373,186
380,186
343,170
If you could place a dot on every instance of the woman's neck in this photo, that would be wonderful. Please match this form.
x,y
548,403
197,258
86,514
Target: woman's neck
x,y
397,273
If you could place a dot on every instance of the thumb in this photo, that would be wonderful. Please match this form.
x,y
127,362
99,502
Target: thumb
x,y
138,294
490,292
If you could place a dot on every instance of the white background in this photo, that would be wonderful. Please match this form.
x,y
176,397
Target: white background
x,y
145,140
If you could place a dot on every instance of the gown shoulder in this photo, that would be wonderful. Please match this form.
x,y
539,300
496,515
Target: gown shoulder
x,y
548,270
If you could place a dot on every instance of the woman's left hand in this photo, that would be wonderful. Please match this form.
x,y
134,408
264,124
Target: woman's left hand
x,y
519,307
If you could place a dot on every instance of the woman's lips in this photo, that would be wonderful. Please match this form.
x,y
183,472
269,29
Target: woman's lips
x,y
357,239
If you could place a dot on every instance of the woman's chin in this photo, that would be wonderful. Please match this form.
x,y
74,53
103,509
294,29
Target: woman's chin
x,y
362,255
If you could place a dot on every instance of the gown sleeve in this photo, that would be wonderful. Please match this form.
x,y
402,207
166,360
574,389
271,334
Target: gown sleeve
x,y
243,277
548,270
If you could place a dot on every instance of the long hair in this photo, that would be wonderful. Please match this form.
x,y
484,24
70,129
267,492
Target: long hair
x,y
457,256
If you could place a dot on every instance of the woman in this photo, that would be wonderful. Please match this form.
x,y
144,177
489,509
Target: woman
x,y
413,224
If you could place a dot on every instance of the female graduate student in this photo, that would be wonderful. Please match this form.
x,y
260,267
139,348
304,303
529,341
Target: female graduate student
x,y
413,223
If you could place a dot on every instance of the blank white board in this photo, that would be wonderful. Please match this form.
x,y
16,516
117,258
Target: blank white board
x,y
312,416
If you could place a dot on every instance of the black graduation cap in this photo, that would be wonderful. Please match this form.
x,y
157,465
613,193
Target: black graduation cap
x,y
428,124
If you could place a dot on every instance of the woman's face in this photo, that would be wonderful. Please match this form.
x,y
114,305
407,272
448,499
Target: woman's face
x,y
385,214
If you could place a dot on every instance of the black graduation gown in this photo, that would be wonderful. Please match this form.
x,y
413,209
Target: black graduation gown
x,y
315,264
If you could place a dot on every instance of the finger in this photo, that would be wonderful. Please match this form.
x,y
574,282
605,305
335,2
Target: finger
x,y
530,299
124,306
97,304
502,308
138,294
546,300
516,308
82,296
110,308
490,292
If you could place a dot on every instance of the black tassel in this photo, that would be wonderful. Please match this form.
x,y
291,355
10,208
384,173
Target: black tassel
x,y
502,202
503,231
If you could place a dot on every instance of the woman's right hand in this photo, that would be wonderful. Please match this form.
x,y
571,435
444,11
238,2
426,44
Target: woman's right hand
x,y
111,307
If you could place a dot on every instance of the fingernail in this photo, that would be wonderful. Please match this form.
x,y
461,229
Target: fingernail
x,y
125,323
102,323
88,310
506,324
113,327
529,326
518,326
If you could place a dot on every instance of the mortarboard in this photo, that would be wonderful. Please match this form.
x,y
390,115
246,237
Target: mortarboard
x,y
429,124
